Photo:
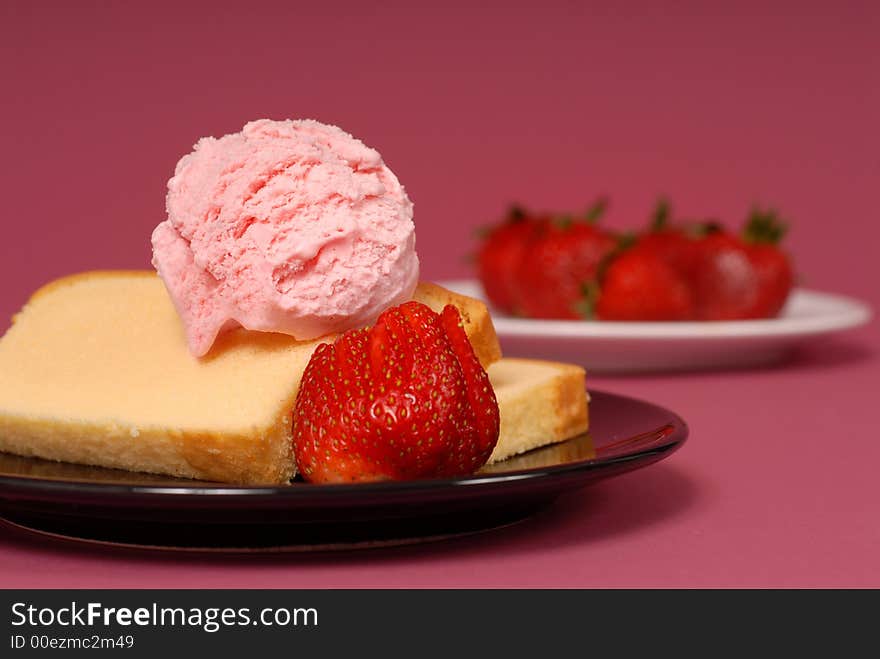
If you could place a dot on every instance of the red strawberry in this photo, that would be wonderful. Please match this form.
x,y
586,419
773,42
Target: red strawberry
x,y
677,244
404,399
499,255
639,284
560,266
746,276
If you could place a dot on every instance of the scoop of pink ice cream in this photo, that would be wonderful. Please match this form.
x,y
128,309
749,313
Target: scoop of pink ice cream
x,y
288,226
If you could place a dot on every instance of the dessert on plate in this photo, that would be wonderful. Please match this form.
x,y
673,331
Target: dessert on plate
x,y
284,331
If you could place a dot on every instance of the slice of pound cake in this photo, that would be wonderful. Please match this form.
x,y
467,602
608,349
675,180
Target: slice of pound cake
x,y
540,402
95,370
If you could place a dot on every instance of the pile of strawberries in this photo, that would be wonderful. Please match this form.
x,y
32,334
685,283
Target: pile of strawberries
x,y
569,267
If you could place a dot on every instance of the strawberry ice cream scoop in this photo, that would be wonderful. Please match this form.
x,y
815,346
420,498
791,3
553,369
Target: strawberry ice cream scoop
x,y
288,226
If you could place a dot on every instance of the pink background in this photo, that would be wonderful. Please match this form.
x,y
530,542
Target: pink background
x,y
548,104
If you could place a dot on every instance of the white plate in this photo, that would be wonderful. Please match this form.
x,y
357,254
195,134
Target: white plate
x,y
651,346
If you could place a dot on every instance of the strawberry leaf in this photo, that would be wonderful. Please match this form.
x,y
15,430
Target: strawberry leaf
x,y
660,217
597,210
516,213
585,307
703,228
564,221
626,240
764,227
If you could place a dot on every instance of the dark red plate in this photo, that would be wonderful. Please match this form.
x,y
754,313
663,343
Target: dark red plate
x,y
140,510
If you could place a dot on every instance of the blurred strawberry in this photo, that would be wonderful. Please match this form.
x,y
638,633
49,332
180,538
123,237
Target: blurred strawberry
x,y
675,242
639,284
556,277
499,255
747,276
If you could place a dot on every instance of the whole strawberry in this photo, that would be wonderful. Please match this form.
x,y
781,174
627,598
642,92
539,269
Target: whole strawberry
x,y
556,276
675,242
500,253
639,284
404,399
746,276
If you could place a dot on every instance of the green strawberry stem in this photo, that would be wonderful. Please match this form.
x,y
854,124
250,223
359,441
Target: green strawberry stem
x,y
703,228
660,217
564,221
764,227
516,213
590,216
590,290
597,210
625,240
585,307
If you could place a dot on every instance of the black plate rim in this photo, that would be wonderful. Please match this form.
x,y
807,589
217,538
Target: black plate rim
x,y
673,439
